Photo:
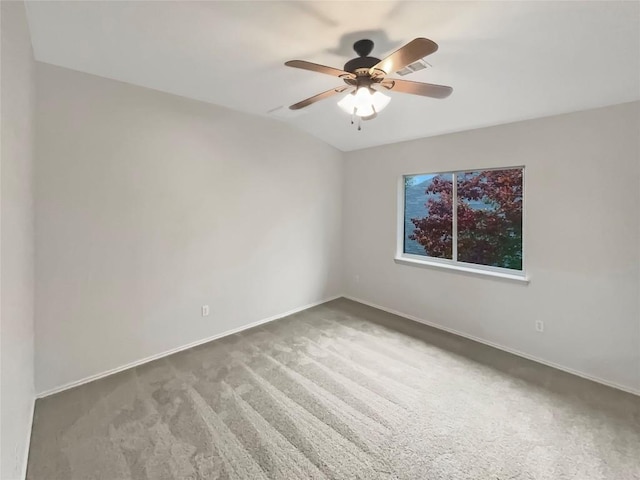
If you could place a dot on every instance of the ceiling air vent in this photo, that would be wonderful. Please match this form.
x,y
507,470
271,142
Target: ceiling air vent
x,y
414,67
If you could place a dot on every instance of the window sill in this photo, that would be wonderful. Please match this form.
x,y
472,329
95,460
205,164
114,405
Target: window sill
x,y
458,268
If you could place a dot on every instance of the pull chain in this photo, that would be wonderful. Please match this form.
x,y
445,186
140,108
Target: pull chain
x,y
353,117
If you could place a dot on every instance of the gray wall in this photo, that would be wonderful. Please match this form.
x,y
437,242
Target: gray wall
x,y
16,238
581,240
150,205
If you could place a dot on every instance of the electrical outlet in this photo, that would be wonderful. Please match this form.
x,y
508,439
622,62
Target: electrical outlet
x,y
539,326
205,310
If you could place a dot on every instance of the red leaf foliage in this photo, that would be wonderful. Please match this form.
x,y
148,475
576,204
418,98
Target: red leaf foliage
x,y
489,218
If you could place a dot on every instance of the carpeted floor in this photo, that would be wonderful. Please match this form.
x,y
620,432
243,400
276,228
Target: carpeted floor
x,y
340,391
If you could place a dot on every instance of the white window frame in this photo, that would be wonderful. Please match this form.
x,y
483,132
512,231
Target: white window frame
x,y
453,264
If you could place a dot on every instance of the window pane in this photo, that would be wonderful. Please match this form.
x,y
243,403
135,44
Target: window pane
x,y
490,218
428,215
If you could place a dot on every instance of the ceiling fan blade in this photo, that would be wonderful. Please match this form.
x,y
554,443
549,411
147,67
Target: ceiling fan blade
x,y
406,55
321,96
417,88
314,67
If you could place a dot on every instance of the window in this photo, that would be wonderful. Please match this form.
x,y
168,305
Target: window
x,y
470,219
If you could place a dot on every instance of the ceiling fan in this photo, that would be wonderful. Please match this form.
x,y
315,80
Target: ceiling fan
x,y
366,76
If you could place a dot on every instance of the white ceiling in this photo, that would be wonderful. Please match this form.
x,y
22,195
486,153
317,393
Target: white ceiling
x,y
506,61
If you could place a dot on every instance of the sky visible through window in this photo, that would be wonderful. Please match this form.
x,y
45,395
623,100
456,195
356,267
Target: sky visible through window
x,y
415,206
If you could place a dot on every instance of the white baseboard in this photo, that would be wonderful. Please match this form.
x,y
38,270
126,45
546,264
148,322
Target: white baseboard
x,y
25,461
499,347
359,300
151,358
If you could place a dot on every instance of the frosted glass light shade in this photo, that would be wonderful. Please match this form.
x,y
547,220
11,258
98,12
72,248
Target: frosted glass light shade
x,y
364,102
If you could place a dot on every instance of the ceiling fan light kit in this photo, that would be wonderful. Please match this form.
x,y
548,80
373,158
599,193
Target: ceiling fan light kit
x,y
364,103
365,76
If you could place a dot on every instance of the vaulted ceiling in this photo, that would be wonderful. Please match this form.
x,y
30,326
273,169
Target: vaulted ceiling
x,y
506,61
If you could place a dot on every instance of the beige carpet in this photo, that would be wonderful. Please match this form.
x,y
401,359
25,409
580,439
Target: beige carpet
x,y
341,391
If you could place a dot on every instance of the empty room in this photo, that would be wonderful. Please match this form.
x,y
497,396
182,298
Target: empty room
x,y
328,240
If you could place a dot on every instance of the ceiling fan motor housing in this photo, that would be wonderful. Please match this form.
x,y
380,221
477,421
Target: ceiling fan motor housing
x,y
363,61
360,63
